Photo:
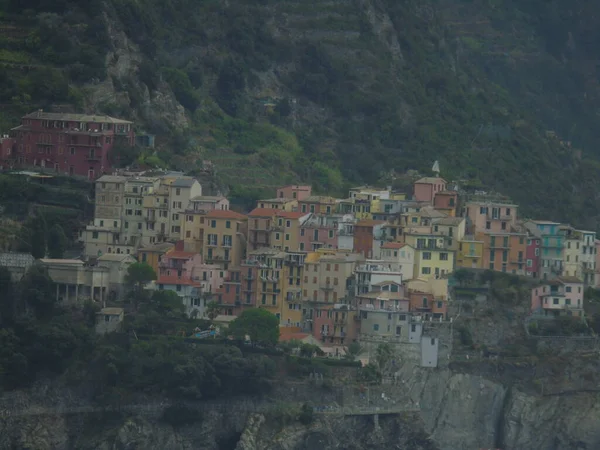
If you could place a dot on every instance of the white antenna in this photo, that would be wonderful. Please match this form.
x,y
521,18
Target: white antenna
x,y
436,168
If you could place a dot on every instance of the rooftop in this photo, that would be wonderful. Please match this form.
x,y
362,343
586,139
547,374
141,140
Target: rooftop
x,y
225,214
430,180
452,221
263,212
12,259
99,118
276,200
567,279
183,182
111,179
290,214
162,247
77,262
208,198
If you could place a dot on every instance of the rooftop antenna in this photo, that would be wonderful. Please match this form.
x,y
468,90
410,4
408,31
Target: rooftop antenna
x,y
436,168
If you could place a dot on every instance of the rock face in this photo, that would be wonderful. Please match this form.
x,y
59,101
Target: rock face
x,y
458,411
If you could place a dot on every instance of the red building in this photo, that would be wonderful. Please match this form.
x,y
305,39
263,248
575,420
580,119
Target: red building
x,y
364,234
73,144
533,256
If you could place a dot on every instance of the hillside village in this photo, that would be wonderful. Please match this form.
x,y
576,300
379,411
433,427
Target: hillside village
x,y
375,265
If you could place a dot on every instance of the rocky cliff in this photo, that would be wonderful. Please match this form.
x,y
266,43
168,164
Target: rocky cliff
x,y
458,411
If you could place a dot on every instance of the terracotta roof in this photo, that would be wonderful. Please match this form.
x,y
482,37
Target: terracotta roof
x,y
263,212
176,254
175,280
567,279
290,214
97,118
430,180
225,214
369,223
290,336
393,245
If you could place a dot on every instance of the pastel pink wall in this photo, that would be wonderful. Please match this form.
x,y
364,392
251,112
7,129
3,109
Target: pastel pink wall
x,y
425,192
302,192
323,236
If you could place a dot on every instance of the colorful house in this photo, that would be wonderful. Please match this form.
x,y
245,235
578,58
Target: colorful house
x,y
185,274
579,255
400,257
490,216
293,272
446,202
294,191
558,297
365,237
470,253
504,252
552,239
285,230
151,255
452,228
317,204
283,204
433,258
426,188
270,282
318,231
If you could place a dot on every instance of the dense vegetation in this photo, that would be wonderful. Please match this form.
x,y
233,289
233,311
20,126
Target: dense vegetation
x,y
352,96
42,338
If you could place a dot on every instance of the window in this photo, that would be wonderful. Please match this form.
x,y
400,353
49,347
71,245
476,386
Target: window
x,y
529,263
426,270
427,256
228,224
95,235
443,256
568,288
503,226
177,191
376,327
72,150
213,224
537,252
288,223
287,237
488,225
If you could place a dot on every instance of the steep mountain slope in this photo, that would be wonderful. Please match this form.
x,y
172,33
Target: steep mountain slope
x,y
503,93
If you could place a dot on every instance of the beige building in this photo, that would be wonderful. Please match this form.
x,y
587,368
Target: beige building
x,y
453,230
77,282
218,235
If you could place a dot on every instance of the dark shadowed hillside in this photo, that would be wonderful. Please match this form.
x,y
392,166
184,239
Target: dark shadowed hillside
x,y
503,93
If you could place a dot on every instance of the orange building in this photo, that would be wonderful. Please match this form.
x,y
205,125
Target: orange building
x,y
318,204
364,235
504,252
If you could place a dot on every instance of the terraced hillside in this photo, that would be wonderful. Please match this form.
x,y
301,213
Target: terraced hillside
x,y
503,93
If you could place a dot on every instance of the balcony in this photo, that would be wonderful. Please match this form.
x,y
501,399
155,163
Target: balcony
x,y
502,245
150,219
326,287
212,243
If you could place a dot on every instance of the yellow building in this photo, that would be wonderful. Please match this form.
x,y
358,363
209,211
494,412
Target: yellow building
x,y
218,235
151,254
284,204
293,271
470,253
433,258
285,231
452,228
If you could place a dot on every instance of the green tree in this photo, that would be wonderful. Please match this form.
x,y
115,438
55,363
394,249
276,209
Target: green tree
x,y
383,356
57,241
212,310
138,275
259,324
7,297
353,351
37,291
167,304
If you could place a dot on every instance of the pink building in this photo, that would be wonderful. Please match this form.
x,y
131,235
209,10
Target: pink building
x,y
295,192
318,232
561,296
533,256
73,144
486,217
195,282
335,327
426,188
